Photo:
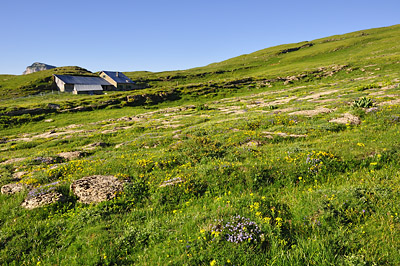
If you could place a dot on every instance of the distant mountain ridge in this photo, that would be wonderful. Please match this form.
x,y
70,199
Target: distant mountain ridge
x,y
35,67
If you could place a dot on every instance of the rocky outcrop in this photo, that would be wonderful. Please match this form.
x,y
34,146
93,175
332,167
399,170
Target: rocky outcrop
x,y
97,188
294,49
35,67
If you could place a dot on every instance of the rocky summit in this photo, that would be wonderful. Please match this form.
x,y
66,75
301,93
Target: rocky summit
x,y
35,67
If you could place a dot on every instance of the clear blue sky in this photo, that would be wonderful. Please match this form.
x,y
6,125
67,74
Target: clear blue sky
x,y
158,35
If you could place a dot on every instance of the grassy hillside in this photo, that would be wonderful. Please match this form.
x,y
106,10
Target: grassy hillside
x,y
287,156
354,49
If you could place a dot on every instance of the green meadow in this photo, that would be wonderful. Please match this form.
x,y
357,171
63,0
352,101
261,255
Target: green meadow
x,y
286,156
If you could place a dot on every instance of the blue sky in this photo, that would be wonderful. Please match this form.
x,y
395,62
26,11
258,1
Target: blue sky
x,y
158,35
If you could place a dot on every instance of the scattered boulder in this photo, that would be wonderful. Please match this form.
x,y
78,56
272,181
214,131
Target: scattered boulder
x,y
252,144
283,135
19,175
372,110
46,160
49,120
123,144
14,160
54,106
42,200
95,145
97,188
120,145
171,182
71,155
13,188
347,119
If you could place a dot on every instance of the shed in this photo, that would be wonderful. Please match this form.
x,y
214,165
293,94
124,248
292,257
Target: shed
x,y
81,84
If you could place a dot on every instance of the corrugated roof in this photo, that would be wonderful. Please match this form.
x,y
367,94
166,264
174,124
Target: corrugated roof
x,y
85,87
82,80
118,77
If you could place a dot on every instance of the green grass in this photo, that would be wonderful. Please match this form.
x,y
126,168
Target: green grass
x,y
314,192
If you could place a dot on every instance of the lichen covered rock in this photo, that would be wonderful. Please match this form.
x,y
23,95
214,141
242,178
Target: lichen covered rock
x,y
97,188
41,200
13,188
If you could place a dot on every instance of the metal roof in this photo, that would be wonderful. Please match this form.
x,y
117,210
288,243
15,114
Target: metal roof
x,y
85,87
118,77
82,80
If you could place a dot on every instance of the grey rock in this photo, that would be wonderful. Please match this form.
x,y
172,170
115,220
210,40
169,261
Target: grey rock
x,y
53,106
97,188
372,109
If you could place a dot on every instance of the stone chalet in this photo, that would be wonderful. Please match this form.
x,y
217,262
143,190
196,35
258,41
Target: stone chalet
x,y
118,80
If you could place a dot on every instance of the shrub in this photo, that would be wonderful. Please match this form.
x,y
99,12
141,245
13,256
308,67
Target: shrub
x,y
364,102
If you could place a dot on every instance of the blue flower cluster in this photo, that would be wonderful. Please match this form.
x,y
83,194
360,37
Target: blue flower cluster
x,y
311,160
239,229
314,162
42,190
